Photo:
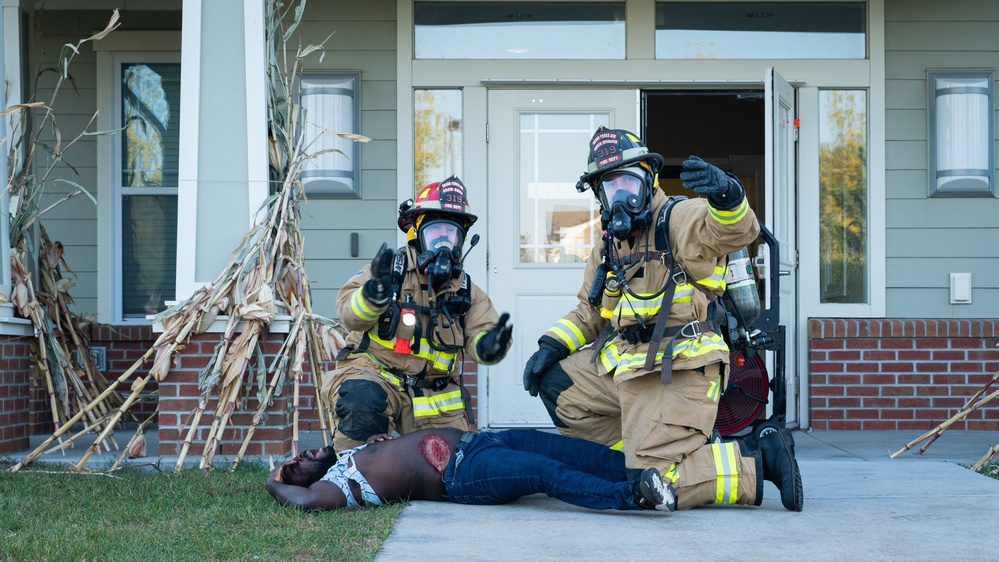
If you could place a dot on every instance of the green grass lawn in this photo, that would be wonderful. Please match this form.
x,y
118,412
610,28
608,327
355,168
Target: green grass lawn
x,y
47,513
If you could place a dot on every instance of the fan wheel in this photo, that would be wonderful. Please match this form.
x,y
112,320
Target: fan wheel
x,y
746,396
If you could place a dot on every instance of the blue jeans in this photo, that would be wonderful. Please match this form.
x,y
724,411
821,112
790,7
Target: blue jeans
x,y
499,467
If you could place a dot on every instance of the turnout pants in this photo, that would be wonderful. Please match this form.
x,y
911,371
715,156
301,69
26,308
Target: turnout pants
x,y
666,426
367,401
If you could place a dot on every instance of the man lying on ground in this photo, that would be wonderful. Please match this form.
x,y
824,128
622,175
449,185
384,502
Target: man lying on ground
x,y
444,464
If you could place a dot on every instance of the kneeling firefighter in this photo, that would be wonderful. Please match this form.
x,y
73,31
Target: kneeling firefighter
x,y
651,381
413,315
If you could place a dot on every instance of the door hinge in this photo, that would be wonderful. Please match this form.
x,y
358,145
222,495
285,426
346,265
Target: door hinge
x,y
487,133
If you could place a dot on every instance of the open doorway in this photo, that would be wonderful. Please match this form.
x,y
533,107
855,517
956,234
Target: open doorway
x,y
723,127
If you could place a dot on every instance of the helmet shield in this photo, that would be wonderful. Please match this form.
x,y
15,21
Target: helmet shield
x,y
627,187
438,233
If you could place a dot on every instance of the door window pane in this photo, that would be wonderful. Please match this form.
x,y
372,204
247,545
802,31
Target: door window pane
x,y
761,30
149,253
437,145
147,233
843,196
557,223
519,30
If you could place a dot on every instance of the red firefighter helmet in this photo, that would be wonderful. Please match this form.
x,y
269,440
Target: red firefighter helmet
x,y
447,198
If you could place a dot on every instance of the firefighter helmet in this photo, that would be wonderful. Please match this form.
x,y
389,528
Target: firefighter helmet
x,y
445,198
611,149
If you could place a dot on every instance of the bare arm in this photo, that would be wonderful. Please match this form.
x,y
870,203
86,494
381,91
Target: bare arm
x,y
321,495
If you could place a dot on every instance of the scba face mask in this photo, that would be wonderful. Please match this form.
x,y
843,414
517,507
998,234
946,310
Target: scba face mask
x,y
624,196
441,241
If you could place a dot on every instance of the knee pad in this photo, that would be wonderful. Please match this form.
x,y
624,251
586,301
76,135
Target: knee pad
x,y
554,381
360,409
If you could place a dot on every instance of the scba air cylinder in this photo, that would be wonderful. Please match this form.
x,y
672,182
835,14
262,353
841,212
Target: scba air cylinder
x,y
741,289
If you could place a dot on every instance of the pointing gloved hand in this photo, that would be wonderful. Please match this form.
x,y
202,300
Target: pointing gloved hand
x,y
378,289
723,190
546,356
492,346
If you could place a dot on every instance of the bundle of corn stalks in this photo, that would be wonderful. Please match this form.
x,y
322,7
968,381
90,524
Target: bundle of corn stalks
x,y
61,348
973,404
264,273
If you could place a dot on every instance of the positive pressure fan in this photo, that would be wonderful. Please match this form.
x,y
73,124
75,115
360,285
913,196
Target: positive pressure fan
x,y
746,396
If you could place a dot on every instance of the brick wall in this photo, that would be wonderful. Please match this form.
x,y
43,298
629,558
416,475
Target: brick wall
x,y
179,396
14,395
884,374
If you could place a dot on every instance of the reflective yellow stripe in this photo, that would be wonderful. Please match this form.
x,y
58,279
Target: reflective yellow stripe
x,y
726,472
610,358
428,406
716,280
713,390
617,446
441,360
360,307
683,293
730,216
570,335
641,305
645,307
671,474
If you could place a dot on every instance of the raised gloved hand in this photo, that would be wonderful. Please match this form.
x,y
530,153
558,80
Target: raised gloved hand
x,y
492,346
723,190
378,289
546,356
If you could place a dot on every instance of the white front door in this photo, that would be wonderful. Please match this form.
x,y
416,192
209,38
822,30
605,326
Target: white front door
x,y
540,228
780,220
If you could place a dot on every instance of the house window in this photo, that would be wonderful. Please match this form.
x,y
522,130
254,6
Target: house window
x,y
519,30
843,196
438,141
961,134
761,30
147,92
329,104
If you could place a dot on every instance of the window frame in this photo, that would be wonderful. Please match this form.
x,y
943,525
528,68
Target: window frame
x,y
121,46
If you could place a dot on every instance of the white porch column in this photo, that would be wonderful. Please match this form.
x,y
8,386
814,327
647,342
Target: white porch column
x,y
223,135
14,12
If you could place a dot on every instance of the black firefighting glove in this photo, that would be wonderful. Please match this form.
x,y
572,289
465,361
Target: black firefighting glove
x,y
547,355
492,346
378,289
723,190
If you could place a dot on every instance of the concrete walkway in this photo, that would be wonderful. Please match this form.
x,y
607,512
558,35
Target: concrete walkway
x,y
859,505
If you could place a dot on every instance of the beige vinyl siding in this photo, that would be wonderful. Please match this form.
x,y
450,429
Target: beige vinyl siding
x,y
927,239
364,40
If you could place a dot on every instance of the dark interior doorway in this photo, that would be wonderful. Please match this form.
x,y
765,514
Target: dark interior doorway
x,y
723,127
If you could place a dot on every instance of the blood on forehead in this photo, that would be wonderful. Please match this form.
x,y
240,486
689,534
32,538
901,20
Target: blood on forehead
x,y
435,451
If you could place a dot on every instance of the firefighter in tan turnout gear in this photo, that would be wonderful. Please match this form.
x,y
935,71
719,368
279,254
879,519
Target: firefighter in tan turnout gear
x,y
651,380
413,316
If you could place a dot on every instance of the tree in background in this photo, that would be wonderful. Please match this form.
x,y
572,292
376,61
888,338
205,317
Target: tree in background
x,y
843,198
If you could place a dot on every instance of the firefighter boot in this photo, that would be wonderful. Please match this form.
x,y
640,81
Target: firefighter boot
x,y
651,492
779,467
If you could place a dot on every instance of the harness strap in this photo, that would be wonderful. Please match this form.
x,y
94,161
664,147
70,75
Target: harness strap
x,y
658,333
